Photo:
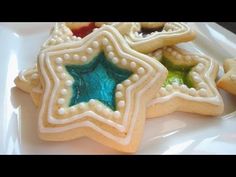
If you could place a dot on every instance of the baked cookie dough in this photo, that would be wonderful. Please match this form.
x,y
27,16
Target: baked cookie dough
x,y
190,84
97,87
147,37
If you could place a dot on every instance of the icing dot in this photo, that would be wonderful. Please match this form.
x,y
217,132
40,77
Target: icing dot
x,y
34,76
82,105
63,75
184,88
133,65
233,77
59,33
192,91
202,92
61,101
121,104
59,40
119,94
67,38
194,74
187,58
123,61
163,91
73,109
53,41
200,67
202,85
141,70
127,82
59,60
67,56
107,111
95,44
74,37
197,79
119,86
92,102
63,91
99,107
115,60
135,77
116,114
61,111
169,87
110,54
59,69
76,57
175,85
89,50
109,48
84,59
69,83
105,41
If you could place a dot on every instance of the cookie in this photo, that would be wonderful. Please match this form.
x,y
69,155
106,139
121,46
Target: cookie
x,y
97,87
190,84
29,82
63,33
122,27
147,37
74,31
228,80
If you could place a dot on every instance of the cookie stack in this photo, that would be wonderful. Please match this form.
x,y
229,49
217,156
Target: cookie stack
x,y
102,80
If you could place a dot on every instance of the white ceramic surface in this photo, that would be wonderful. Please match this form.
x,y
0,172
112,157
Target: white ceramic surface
x,y
178,133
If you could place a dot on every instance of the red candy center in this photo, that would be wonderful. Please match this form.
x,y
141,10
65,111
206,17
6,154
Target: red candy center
x,y
84,30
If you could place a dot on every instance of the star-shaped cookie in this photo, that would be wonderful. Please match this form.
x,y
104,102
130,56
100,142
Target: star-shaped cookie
x,y
228,81
147,37
63,32
97,87
190,84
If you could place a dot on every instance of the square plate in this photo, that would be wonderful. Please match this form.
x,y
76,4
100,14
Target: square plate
x,y
177,133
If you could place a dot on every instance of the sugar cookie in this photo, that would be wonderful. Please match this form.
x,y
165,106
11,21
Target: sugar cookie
x,y
189,87
97,87
144,38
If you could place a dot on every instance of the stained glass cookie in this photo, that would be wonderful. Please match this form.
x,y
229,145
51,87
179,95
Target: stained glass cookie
x,y
97,87
61,33
147,37
228,80
190,84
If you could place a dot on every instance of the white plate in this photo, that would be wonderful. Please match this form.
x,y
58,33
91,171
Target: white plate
x,y
178,133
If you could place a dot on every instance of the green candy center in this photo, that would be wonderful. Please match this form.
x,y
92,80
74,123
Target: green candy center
x,y
177,73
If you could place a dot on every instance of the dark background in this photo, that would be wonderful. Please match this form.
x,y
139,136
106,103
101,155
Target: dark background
x,y
229,25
